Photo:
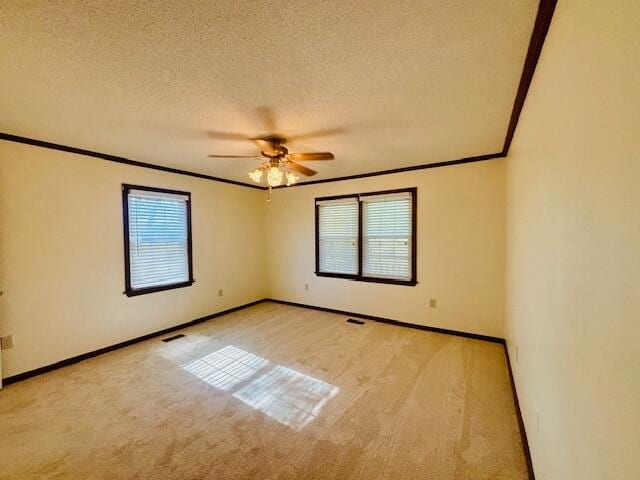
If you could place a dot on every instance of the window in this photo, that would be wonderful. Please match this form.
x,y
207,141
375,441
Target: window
x,y
368,237
157,239
338,235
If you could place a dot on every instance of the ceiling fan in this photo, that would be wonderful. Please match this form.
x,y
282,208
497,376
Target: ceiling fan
x,y
278,162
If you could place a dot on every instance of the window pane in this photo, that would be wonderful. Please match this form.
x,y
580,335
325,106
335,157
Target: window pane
x,y
338,238
386,237
158,239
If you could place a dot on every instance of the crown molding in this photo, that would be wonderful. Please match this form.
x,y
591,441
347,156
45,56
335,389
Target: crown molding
x,y
448,163
113,158
538,36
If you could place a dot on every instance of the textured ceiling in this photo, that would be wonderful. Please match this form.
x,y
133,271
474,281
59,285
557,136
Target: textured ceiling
x,y
386,84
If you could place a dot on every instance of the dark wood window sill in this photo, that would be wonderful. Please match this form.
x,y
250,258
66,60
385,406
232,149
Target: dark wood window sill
x,y
161,288
356,278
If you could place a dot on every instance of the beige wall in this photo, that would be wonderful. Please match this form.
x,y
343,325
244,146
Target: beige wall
x,y
460,250
62,254
573,246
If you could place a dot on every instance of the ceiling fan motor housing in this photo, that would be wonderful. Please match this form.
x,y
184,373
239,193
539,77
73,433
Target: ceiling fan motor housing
x,y
276,148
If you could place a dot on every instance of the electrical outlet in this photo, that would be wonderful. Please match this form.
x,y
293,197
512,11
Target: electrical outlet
x,y
220,292
432,303
6,342
306,287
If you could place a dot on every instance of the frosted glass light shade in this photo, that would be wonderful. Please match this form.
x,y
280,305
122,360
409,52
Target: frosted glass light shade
x,y
256,175
274,177
291,179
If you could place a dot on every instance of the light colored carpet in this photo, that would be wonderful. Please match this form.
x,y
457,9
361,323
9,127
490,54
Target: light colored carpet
x,y
270,392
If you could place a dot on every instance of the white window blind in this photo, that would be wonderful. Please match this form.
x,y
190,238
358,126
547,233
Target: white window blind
x,y
158,239
386,236
338,236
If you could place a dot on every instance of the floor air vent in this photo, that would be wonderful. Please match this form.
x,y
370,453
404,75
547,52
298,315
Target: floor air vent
x,y
357,322
175,337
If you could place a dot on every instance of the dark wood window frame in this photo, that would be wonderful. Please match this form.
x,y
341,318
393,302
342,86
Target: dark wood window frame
x,y
359,277
128,290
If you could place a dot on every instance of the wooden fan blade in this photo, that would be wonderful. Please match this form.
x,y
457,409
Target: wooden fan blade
x,y
310,156
270,144
234,156
265,145
300,168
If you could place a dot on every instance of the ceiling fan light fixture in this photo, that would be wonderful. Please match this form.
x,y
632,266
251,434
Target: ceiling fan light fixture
x,y
278,164
256,175
274,176
291,178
